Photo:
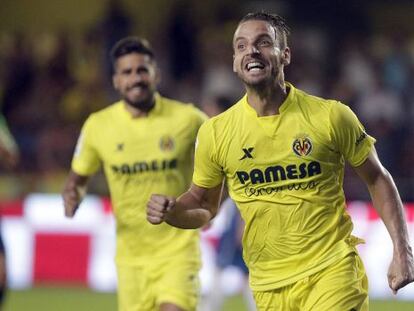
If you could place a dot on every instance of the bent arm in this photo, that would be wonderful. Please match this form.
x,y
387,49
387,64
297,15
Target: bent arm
x,y
73,192
388,203
196,207
386,200
193,209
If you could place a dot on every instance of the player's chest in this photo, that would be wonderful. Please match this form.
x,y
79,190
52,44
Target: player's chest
x,y
290,147
145,141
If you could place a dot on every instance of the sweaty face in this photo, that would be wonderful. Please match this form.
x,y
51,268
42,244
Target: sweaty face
x,y
136,78
258,58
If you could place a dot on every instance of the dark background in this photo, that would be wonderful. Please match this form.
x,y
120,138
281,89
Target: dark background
x,y
54,70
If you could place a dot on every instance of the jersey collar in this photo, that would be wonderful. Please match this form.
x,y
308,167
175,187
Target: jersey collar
x,y
285,105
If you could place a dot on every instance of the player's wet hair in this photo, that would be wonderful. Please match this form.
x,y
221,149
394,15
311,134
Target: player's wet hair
x,y
277,22
130,45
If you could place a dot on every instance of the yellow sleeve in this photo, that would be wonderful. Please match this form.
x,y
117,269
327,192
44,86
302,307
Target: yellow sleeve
x,y
349,134
86,160
208,173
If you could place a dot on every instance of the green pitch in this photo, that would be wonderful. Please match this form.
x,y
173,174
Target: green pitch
x,y
81,299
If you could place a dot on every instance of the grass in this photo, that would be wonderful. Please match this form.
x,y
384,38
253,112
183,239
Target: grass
x,y
59,299
82,299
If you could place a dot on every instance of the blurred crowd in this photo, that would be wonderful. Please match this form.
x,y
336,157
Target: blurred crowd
x,y
51,82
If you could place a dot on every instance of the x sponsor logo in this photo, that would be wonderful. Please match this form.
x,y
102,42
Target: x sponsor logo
x,y
120,147
247,153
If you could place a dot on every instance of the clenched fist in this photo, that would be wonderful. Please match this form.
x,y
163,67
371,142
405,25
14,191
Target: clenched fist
x,y
158,208
401,271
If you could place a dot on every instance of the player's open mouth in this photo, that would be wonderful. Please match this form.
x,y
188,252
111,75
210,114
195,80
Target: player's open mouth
x,y
137,89
254,66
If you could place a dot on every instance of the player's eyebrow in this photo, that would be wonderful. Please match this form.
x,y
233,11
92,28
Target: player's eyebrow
x,y
264,35
258,37
238,39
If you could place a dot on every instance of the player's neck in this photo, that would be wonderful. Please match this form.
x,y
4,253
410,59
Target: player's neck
x,y
267,100
141,111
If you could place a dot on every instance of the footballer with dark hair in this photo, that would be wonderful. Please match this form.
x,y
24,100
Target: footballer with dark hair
x,y
282,154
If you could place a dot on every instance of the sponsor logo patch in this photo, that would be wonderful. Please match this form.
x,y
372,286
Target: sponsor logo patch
x,y
167,143
302,146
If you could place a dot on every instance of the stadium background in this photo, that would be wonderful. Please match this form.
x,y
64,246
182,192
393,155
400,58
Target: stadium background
x,y
54,71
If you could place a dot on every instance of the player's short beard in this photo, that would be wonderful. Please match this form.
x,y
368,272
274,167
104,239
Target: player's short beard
x,y
257,85
143,105
146,104
262,84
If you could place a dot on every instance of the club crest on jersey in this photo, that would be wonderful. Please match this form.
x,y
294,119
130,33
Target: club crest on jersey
x,y
302,146
166,143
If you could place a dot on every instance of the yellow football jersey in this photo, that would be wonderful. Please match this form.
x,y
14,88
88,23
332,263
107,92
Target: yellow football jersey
x,y
142,156
285,173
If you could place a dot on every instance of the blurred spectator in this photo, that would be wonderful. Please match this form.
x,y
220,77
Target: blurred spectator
x,y
219,80
356,66
39,115
114,25
182,36
381,110
217,105
309,69
17,71
397,65
406,168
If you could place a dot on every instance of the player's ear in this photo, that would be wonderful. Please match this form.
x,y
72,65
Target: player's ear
x,y
286,56
234,65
